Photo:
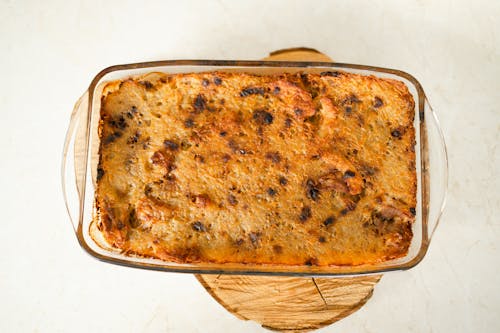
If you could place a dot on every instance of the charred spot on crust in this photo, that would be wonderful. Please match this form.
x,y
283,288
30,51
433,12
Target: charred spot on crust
x,y
312,190
312,88
148,189
396,133
351,99
112,137
305,214
170,178
254,237
378,217
349,102
147,84
283,181
134,138
189,123
328,221
276,90
198,226
271,191
200,103
185,145
413,211
311,262
278,249
131,113
132,218
252,91
298,112
321,239
330,73
263,117
355,99
217,81
100,173
275,157
205,82
199,158
314,119
288,122
232,199
170,145
368,170
349,174
119,123
223,133
377,102
344,211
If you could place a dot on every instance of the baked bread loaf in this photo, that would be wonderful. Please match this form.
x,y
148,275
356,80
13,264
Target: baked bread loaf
x,y
221,167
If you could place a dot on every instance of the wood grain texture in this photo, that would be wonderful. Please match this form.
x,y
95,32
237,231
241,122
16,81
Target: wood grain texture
x,y
290,304
298,54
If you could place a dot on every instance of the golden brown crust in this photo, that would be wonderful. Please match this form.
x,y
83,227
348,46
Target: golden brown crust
x,y
229,167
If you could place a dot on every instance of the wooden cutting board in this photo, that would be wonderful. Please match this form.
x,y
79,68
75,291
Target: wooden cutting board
x,y
290,304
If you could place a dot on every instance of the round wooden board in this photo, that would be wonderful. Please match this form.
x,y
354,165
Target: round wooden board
x,y
290,304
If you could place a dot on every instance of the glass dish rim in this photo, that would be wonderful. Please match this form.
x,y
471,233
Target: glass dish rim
x,y
419,108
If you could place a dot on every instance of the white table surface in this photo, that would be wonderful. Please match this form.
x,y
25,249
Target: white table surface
x,y
49,52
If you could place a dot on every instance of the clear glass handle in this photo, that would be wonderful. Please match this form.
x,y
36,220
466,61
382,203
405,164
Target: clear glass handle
x,y
68,167
437,169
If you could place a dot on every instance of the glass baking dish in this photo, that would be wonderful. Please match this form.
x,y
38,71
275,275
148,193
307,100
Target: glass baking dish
x,y
80,156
